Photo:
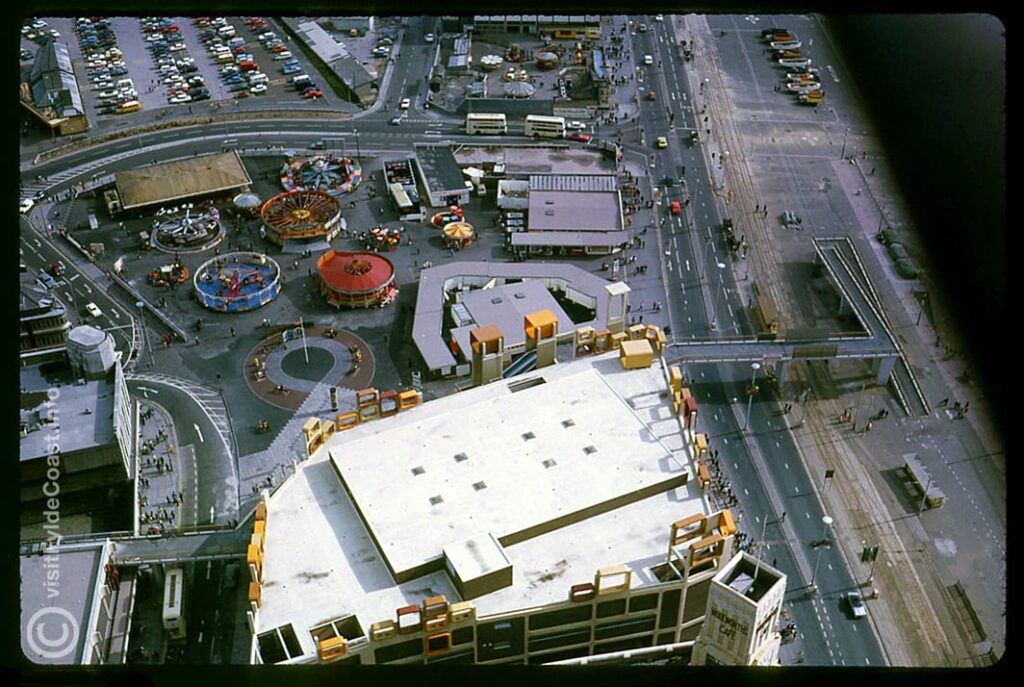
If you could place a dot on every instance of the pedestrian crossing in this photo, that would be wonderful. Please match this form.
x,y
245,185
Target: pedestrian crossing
x,y
49,182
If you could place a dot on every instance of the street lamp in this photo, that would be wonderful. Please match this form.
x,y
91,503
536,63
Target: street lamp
x,y
751,390
842,153
827,521
714,310
359,153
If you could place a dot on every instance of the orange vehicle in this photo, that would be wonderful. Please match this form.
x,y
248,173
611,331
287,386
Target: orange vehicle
x,y
676,207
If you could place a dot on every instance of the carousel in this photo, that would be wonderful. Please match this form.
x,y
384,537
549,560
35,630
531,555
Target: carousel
x,y
329,173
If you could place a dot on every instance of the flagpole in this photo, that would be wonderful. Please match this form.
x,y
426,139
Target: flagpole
x,y
304,349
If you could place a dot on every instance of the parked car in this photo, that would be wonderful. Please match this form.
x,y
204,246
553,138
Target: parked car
x,y
282,56
26,204
583,138
258,89
290,69
313,93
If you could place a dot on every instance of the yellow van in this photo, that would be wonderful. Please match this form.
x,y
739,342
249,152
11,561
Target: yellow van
x,y
129,106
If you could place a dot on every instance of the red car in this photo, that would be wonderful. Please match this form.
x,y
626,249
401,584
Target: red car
x,y
315,93
583,138
248,66
242,94
677,207
651,95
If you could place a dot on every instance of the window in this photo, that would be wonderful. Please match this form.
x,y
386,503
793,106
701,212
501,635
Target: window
x,y
396,652
579,613
646,602
625,627
623,644
669,608
560,655
609,608
558,639
462,635
499,639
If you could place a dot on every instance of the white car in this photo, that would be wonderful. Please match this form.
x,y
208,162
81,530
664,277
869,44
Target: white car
x,y
109,93
856,603
575,125
180,98
659,17
258,89
648,59
25,205
282,56
104,85
54,32
429,38
404,105
38,24
94,311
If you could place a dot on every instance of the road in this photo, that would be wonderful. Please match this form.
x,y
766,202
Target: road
x,y
208,472
763,464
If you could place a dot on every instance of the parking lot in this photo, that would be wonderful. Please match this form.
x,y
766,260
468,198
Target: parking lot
x,y
169,65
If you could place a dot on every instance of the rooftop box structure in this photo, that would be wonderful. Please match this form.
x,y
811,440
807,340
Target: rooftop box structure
x,y
180,180
478,565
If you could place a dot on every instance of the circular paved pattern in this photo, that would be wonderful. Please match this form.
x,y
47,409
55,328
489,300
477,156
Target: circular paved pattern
x,y
330,362
294,363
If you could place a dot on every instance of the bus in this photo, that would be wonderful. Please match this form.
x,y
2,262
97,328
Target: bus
x,y
486,123
174,603
549,127
408,210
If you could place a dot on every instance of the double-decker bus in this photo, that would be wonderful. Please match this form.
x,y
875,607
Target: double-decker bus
x,y
541,125
486,123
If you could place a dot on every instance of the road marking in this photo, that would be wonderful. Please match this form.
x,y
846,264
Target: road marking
x,y
74,278
209,566
197,431
787,465
86,287
114,313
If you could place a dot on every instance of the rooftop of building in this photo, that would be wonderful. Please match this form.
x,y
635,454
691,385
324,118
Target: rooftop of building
x,y
506,306
79,567
175,180
434,281
439,169
574,211
52,80
80,410
749,577
583,471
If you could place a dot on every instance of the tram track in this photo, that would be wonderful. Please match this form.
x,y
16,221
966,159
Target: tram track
x,y
739,179
904,569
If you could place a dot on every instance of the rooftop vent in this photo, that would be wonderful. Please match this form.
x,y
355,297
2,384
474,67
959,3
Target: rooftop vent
x,y
589,449
549,463
568,423
459,457
528,436
479,486
418,470
435,500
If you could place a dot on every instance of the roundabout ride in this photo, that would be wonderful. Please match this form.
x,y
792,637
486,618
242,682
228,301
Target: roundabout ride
x,y
329,173
237,282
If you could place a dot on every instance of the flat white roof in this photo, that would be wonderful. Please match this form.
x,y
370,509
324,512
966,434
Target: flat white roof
x,y
321,562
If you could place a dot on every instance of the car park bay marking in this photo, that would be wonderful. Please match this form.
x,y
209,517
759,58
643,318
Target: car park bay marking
x,y
832,72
